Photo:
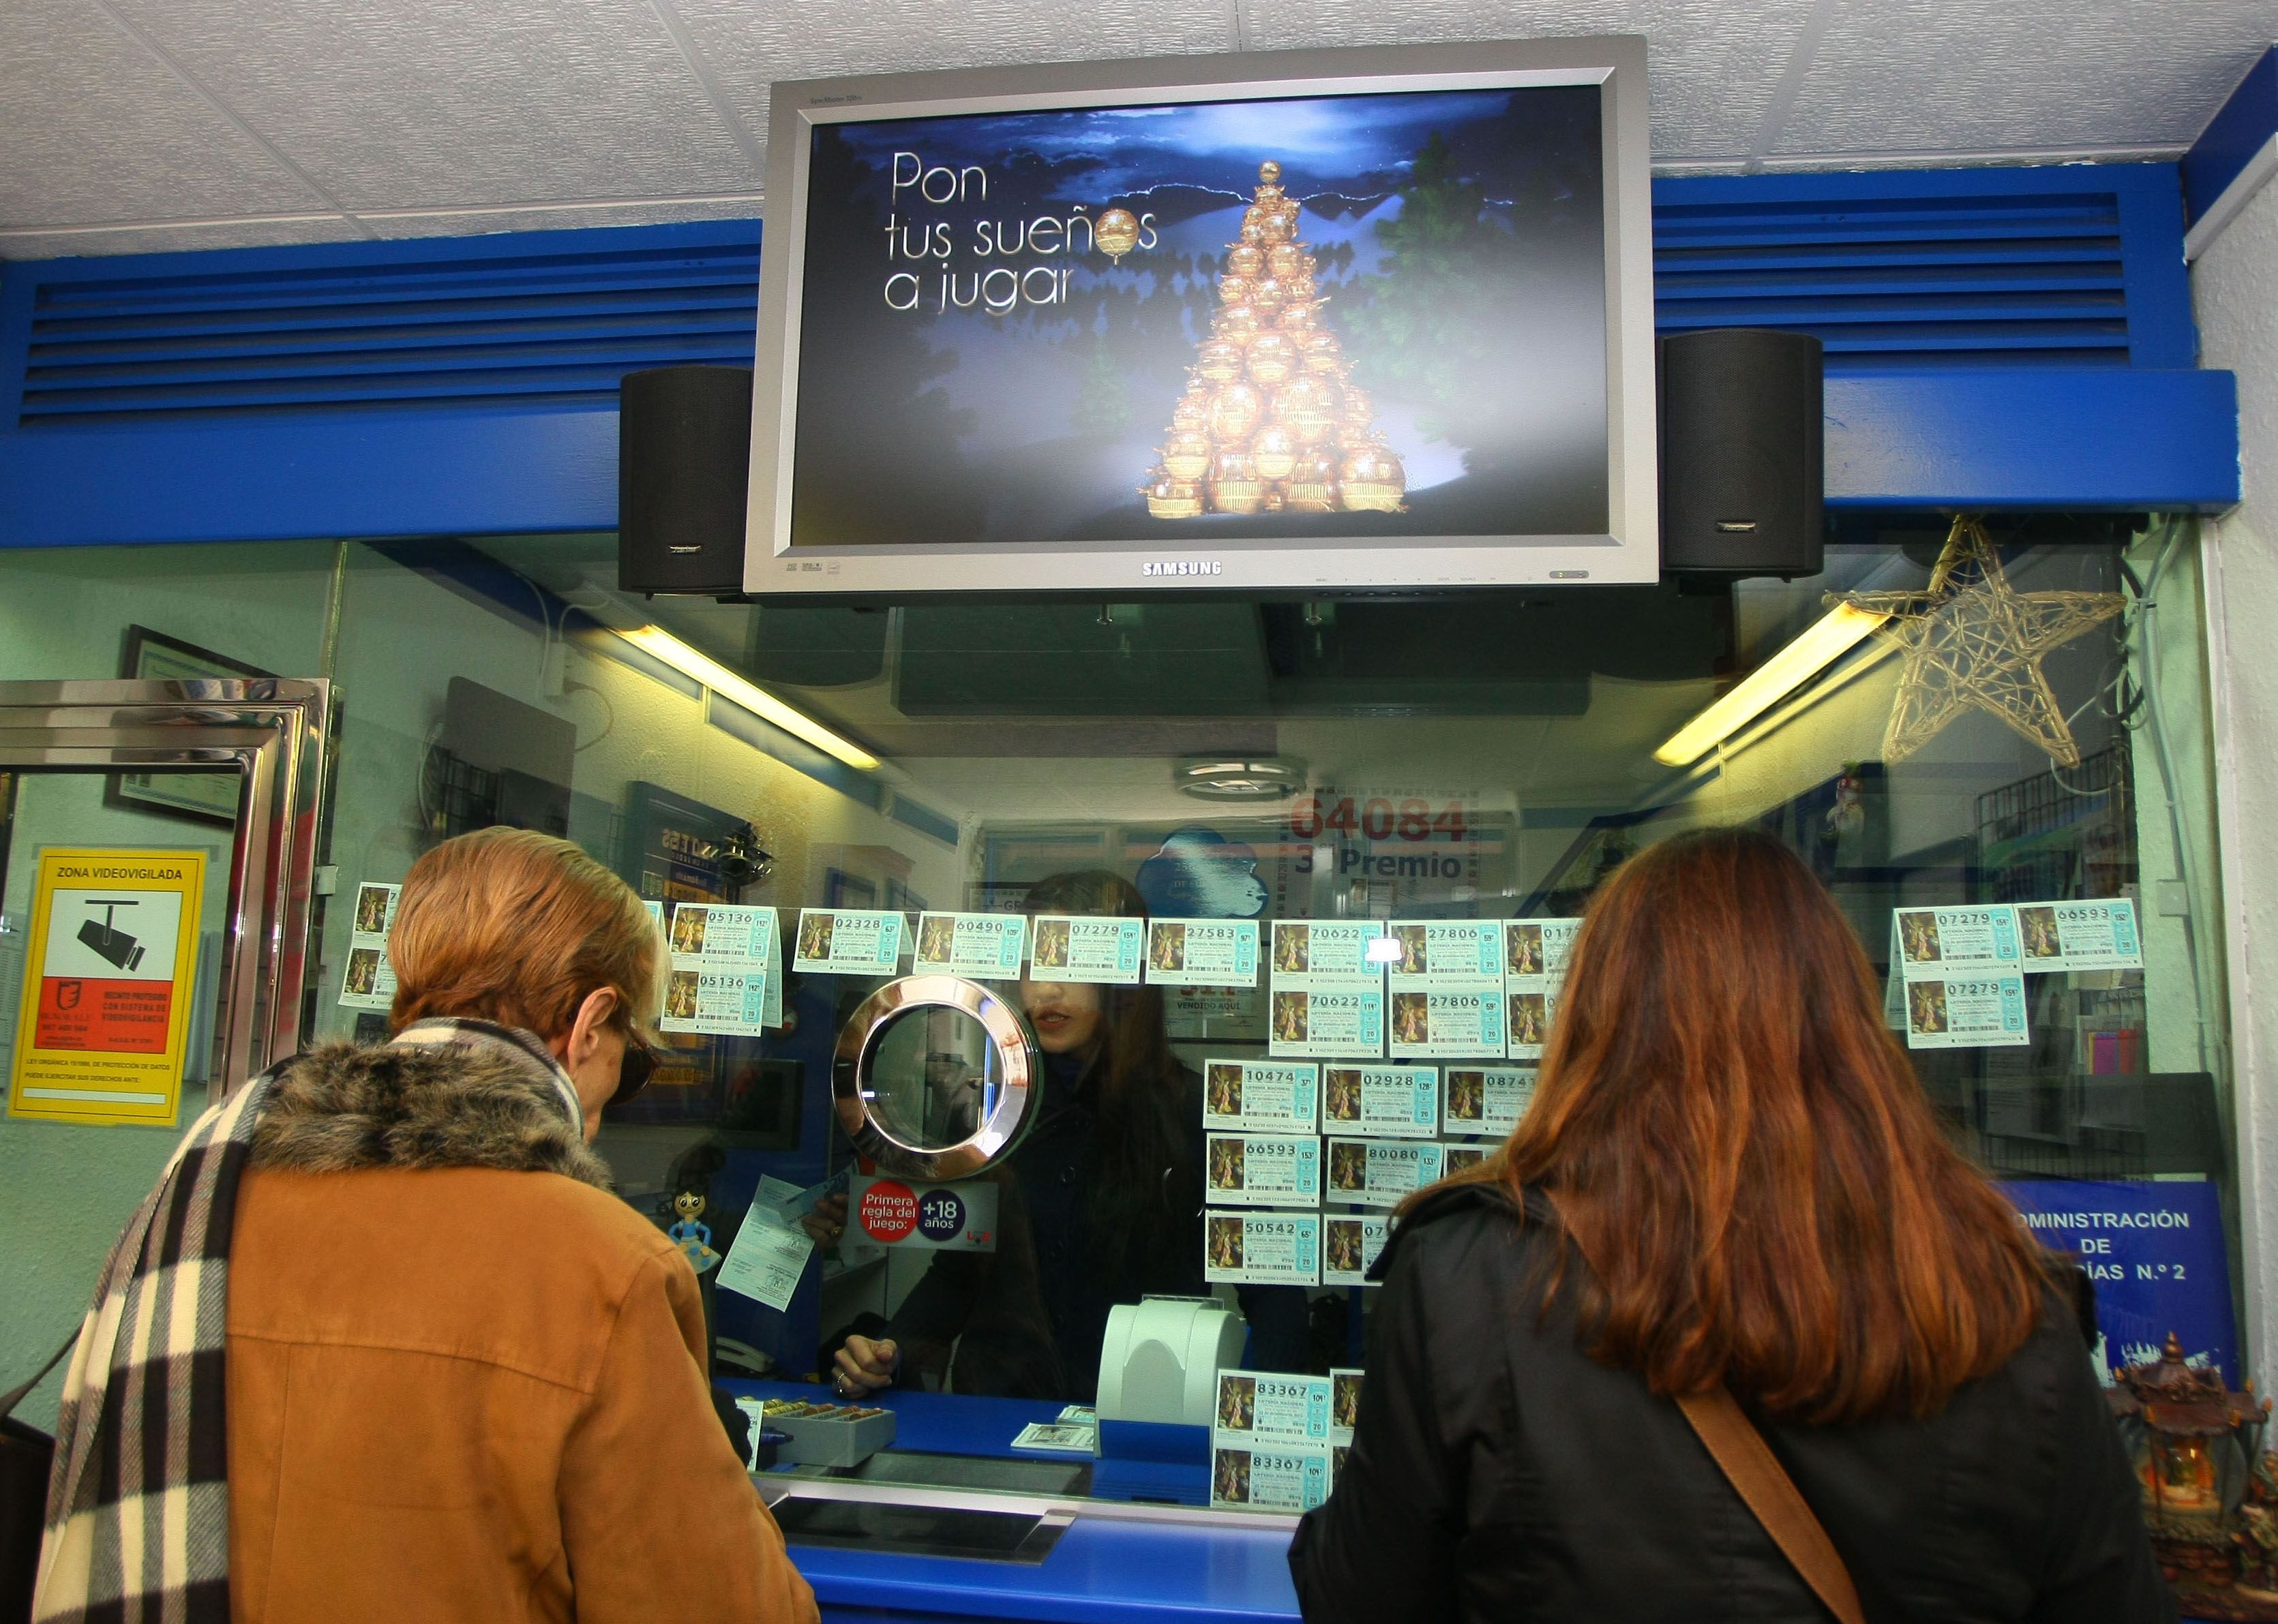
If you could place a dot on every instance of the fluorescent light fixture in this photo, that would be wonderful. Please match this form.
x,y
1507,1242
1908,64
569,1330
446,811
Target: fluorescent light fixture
x,y
656,641
1818,647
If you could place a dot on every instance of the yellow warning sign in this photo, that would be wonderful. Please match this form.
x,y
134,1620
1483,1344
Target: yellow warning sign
x,y
109,972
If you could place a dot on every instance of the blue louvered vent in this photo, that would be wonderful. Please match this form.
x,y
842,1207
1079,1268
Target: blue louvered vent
x,y
545,330
1932,270
2021,279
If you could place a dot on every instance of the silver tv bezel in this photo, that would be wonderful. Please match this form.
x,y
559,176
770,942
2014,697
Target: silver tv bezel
x,y
1629,551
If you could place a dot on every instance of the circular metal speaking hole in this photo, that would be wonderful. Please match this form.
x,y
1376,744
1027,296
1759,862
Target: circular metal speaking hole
x,y
935,1077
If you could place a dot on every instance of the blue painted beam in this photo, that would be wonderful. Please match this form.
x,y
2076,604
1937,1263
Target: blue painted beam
x,y
2118,437
2240,129
293,475
1996,437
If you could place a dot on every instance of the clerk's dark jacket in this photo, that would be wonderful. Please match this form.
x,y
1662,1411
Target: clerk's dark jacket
x,y
1498,1473
1029,1319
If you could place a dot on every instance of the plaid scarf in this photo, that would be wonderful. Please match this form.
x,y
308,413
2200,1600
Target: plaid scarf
x,y
138,1506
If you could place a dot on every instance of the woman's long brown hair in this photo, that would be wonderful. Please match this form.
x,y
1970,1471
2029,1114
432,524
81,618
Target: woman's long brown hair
x,y
1760,1188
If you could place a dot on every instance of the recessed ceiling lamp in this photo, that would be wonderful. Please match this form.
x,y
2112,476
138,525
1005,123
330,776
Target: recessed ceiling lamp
x,y
1240,778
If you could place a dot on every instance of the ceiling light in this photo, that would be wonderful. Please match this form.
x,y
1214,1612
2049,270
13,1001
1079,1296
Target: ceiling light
x,y
1818,647
1230,778
661,644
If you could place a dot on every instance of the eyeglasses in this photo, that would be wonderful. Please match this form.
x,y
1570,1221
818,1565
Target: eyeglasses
x,y
639,1065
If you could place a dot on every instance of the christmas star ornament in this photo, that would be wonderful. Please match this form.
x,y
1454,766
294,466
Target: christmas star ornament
x,y
1972,641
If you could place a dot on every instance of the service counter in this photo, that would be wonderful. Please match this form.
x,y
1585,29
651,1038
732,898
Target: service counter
x,y
869,1538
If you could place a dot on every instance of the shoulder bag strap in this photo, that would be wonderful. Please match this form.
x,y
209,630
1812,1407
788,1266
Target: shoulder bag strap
x,y
1755,1474
15,1396
1739,1449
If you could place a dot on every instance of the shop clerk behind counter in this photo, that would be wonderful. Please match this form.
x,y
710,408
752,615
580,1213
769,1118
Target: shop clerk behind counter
x,y
1101,1204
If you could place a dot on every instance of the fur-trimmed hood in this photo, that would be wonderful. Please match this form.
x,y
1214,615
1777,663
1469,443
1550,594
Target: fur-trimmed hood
x,y
343,1107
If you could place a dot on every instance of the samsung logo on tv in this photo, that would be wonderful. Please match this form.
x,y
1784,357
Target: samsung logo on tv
x,y
1182,566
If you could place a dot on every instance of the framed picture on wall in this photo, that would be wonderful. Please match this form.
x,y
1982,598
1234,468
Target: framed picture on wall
x,y
210,798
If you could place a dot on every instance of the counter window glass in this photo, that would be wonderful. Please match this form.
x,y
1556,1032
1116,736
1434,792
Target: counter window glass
x,y
1266,906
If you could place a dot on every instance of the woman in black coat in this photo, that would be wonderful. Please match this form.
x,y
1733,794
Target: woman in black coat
x,y
1726,1131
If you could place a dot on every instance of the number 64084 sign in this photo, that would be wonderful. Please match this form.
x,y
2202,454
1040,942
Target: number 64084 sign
x,y
1376,817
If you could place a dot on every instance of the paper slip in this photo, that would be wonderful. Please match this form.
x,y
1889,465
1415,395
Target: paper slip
x,y
1344,1405
367,980
1985,1011
1350,1245
724,976
986,946
1262,1249
1392,1101
1264,1170
766,1261
1202,952
726,1001
1327,993
1058,1437
1307,950
1257,1408
1086,947
1268,1480
1381,1172
1487,1101
1537,949
1454,1158
375,909
1928,942
1327,1021
849,941
1448,1022
1079,1415
1527,1016
718,931
1263,1097
2084,935
1447,953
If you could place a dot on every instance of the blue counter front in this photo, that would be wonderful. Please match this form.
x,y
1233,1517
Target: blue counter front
x,y
1104,1569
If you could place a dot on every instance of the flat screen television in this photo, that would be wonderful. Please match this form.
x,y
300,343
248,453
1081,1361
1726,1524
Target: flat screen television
x,y
1374,320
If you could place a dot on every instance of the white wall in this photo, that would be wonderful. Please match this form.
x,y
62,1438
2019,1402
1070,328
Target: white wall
x,y
2234,285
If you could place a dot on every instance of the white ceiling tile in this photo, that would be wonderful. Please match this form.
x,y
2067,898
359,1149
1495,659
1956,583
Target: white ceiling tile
x,y
274,231
749,47
547,217
1898,77
1713,67
451,102
96,129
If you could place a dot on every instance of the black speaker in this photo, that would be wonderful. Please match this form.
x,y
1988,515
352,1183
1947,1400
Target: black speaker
x,y
1741,467
684,443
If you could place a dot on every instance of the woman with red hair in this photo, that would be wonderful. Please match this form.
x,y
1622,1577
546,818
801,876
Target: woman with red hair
x,y
1730,1183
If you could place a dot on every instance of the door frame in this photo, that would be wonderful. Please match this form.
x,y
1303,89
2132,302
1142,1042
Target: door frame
x,y
273,732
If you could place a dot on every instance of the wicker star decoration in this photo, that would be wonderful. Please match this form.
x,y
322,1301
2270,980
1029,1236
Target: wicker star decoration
x,y
1972,640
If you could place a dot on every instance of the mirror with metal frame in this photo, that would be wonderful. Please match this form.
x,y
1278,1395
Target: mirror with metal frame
x,y
935,1077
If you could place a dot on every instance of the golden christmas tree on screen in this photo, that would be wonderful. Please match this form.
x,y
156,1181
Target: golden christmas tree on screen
x,y
1271,421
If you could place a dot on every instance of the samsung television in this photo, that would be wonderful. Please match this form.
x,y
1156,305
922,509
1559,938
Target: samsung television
x,y
1368,320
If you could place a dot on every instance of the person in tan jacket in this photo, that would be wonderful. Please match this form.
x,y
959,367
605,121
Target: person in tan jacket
x,y
464,1381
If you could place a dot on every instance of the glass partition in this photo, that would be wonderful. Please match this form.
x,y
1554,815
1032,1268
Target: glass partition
x,y
803,775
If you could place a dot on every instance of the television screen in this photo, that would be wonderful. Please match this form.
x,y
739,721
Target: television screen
x,y
1369,334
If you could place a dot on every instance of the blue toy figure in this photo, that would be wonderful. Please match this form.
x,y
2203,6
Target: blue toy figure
x,y
693,1238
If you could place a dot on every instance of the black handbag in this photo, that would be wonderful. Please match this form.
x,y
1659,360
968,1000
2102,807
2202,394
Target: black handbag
x,y
26,1454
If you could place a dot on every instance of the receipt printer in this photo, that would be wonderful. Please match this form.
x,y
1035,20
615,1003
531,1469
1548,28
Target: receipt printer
x,y
1162,1357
